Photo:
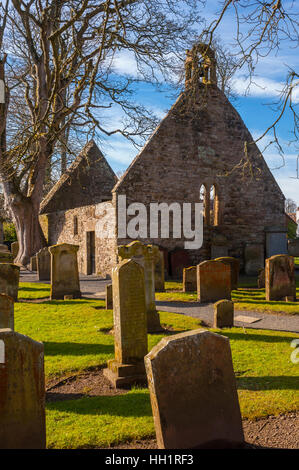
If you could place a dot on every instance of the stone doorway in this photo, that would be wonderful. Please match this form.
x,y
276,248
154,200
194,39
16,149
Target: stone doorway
x,y
91,253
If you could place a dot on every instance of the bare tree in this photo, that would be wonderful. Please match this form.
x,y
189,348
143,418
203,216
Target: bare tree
x,y
69,48
290,206
261,27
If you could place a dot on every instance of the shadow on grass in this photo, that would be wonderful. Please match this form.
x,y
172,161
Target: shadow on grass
x,y
255,337
281,382
66,302
131,404
76,349
34,289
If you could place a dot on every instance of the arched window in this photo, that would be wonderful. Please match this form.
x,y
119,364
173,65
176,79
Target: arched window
x,y
75,225
203,200
214,206
210,201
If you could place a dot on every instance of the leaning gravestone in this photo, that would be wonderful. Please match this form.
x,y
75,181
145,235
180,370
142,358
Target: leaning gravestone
x,y
130,326
109,297
6,312
144,255
9,280
223,314
159,271
3,247
22,392
234,264
280,278
193,392
43,259
64,271
189,279
14,249
213,281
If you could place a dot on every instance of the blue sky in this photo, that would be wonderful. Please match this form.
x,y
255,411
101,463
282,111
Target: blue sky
x,y
255,108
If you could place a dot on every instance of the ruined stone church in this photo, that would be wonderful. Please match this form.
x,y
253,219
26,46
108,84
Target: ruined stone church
x,y
200,152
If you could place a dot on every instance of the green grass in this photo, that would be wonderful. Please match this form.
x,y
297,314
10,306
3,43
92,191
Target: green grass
x,y
74,336
32,290
297,262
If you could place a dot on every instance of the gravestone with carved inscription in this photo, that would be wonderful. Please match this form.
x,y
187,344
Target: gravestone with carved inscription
x,y
130,326
144,255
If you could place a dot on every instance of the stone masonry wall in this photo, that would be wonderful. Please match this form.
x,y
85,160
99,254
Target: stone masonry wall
x,y
59,228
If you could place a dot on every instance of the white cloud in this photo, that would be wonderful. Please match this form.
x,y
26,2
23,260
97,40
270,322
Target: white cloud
x,y
262,87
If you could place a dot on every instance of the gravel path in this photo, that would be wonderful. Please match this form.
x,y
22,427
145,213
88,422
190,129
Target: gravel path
x,y
93,287
205,312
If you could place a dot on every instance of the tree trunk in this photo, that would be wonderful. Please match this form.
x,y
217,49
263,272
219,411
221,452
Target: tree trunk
x,y
26,219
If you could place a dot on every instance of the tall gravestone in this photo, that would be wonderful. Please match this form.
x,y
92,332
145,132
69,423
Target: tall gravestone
x,y
9,279
130,326
280,278
159,271
213,281
234,264
64,271
43,259
6,311
14,249
189,279
193,392
144,255
22,392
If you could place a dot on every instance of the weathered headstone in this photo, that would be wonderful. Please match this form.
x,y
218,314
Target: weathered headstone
x,y
130,326
144,255
6,312
193,392
33,263
159,271
43,259
3,247
14,249
261,279
213,281
9,279
6,257
280,278
234,264
109,297
189,279
223,314
64,271
254,258
22,392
